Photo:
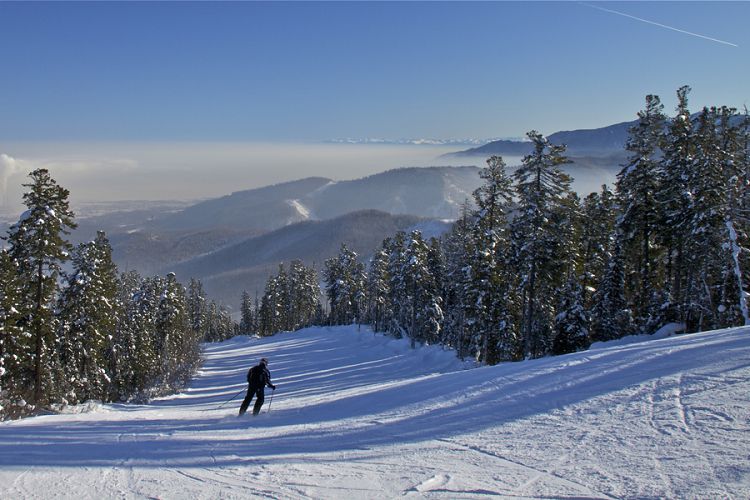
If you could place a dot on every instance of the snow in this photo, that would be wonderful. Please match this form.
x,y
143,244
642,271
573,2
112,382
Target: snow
x,y
665,331
737,270
361,415
302,210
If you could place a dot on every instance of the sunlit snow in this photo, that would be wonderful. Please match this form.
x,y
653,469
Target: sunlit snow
x,y
360,415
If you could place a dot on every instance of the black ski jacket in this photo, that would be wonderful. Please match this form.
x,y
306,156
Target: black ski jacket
x,y
258,376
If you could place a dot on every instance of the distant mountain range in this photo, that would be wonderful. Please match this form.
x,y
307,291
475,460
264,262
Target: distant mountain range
x,y
435,192
235,242
587,142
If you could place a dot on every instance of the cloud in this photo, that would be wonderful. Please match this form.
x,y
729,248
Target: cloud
x,y
9,166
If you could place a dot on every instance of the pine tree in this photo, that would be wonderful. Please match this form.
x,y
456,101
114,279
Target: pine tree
x,y
710,276
247,319
345,278
12,345
572,321
433,315
492,311
642,218
219,323
291,300
675,199
422,312
146,365
38,245
269,312
177,344
378,306
459,251
125,346
197,307
304,293
88,310
539,252
597,228
276,312
611,319
704,217
737,164
398,295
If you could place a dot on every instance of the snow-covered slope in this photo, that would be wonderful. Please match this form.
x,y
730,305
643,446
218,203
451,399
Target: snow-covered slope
x,y
360,415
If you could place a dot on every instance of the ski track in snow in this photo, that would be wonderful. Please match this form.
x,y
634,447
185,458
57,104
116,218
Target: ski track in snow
x,y
361,415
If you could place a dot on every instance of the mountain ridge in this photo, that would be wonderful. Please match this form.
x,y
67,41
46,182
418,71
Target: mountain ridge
x,y
422,191
582,142
247,264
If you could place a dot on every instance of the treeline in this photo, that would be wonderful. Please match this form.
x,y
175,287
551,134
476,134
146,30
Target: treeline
x,y
291,301
72,329
530,269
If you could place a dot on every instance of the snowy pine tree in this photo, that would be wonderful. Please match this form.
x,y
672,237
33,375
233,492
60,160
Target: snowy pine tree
x,y
89,310
597,228
291,300
675,198
641,218
398,295
611,318
344,278
38,245
572,321
458,249
379,309
304,293
737,160
539,247
247,318
421,312
125,345
196,299
492,303
13,345
177,344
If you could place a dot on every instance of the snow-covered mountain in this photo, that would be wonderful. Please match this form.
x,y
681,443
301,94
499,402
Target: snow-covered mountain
x,y
360,415
425,191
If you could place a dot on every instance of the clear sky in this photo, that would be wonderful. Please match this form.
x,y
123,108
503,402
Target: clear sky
x,y
318,70
101,85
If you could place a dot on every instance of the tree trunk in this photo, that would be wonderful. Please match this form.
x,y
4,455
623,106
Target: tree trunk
x,y
38,335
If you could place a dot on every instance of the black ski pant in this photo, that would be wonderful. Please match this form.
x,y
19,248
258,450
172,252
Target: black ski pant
x,y
259,393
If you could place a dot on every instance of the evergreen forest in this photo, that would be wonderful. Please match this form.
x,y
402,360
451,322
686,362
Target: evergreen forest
x,y
530,269
73,329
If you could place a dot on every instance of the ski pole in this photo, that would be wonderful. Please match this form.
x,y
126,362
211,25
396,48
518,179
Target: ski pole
x,y
225,402
270,401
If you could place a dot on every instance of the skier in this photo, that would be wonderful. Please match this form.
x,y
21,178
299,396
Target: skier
x,y
257,378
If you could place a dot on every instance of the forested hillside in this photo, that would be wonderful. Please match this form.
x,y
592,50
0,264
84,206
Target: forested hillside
x,y
73,329
534,270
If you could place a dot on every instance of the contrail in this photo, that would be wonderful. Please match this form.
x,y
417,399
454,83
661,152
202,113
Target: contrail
x,y
659,24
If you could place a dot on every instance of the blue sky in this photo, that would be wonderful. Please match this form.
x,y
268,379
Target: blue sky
x,y
311,71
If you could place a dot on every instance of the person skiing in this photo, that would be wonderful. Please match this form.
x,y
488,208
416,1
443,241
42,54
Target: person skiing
x,y
258,377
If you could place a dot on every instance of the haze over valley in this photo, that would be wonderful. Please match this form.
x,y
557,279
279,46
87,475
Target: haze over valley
x,y
179,234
